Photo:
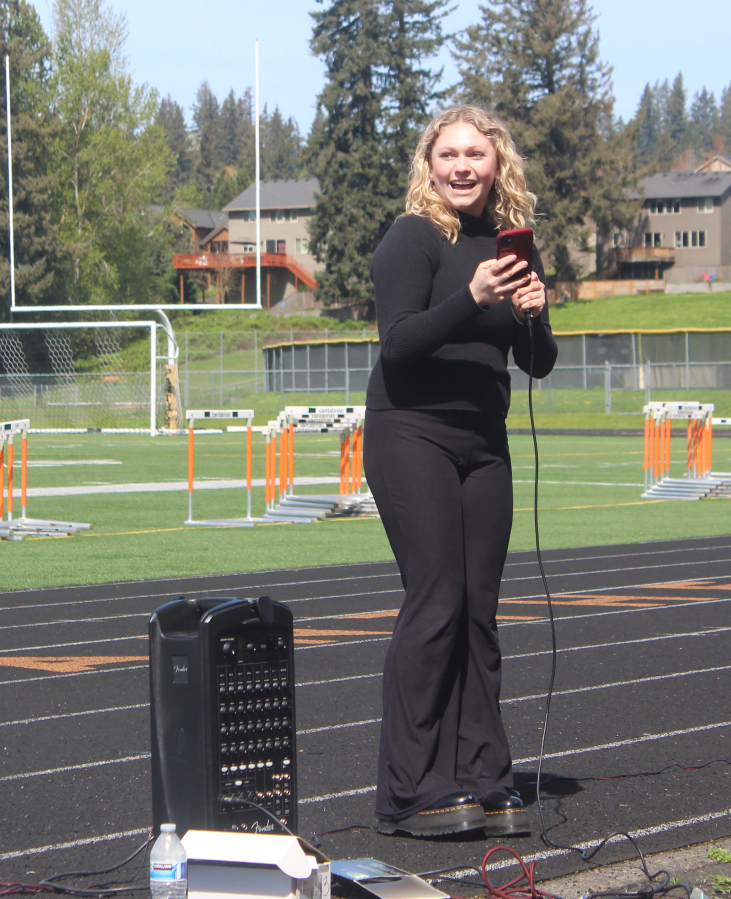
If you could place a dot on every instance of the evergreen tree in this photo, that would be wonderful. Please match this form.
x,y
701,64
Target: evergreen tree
x,y
378,97
170,117
724,121
39,258
236,131
280,145
674,139
536,64
229,183
350,218
648,121
704,124
414,35
206,116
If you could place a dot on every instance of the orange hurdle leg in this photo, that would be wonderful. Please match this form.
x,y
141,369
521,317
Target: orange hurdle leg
x,y
290,444
10,476
24,473
191,452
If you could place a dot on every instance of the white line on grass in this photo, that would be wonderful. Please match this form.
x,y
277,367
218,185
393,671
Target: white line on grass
x,y
599,747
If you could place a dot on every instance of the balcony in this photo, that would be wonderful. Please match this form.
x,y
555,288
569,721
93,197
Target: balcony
x,y
654,255
213,262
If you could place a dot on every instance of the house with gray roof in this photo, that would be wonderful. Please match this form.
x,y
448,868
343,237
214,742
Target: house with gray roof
x,y
683,230
287,265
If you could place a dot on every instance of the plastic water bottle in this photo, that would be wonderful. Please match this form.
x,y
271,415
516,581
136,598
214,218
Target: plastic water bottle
x,y
168,866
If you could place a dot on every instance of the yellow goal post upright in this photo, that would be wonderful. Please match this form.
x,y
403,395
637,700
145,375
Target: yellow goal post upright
x,y
193,415
14,528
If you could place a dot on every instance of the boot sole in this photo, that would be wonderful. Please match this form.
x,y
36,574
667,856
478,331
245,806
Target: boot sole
x,y
502,824
436,822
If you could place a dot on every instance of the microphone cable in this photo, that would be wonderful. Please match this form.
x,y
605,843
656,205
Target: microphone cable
x,y
586,854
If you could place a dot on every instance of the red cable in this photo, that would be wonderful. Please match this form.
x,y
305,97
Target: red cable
x,y
513,889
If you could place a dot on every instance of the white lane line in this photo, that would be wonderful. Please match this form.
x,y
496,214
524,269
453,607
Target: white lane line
x,y
360,577
76,643
329,727
118,708
316,730
709,631
10,627
33,680
646,738
73,844
26,775
534,696
591,844
545,652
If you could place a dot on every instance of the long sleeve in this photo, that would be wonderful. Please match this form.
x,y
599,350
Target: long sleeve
x,y
402,271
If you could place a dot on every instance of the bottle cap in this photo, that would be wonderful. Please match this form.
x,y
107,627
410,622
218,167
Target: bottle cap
x,y
167,828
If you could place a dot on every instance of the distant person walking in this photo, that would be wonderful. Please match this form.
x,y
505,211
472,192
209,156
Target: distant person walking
x,y
437,460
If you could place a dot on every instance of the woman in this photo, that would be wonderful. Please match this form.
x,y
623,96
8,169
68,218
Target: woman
x,y
437,461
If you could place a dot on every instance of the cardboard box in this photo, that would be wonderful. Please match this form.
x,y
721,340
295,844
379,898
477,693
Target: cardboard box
x,y
228,865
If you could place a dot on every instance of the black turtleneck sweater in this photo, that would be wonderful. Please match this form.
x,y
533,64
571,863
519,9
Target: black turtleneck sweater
x,y
439,349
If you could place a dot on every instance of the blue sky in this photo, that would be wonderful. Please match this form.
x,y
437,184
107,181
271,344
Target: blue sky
x,y
174,46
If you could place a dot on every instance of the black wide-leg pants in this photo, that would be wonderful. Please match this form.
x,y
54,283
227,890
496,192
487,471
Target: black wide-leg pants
x,y
443,485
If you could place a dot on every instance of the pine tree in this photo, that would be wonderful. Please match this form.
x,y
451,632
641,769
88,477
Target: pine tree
x,y
236,131
206,116
724,121
350,218
170,117
536,64
704,125
648,121
410,90
39,257
674,139
280,146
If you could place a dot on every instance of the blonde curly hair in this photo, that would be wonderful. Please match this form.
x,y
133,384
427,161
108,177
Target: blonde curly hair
x,y
509,205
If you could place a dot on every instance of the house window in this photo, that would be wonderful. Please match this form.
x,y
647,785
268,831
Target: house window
x,y
302,245
690,239
284,215
653,238
669,207
249,215
248,248
705,204
277,215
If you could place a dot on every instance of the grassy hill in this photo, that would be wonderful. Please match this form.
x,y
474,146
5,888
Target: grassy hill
x,y
651,312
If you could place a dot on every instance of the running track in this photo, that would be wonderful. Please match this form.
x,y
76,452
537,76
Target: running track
x,y
644,671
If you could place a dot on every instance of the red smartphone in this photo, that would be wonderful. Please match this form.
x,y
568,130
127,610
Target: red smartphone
x,y
518,242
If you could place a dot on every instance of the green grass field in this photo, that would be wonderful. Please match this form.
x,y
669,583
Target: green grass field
x,y
590,494
651,312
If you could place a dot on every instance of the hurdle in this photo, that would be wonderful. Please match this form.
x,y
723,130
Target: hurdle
x,y
193,415
700,481
347,421
15,528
